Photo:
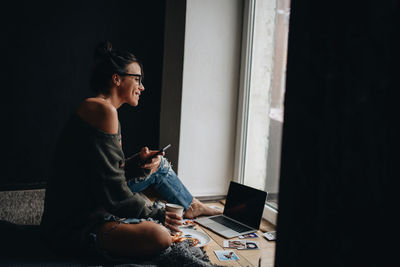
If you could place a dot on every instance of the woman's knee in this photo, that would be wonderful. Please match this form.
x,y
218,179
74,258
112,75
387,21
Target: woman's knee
x,y
158,234
143,239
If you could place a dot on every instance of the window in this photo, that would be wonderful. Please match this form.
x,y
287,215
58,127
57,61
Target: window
x,y
260,116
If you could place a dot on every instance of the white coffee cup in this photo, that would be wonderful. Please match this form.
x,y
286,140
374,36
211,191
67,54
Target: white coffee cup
x,y
174,208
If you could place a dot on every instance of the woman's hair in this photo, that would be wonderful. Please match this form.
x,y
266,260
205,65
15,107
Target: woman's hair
x,y
108,61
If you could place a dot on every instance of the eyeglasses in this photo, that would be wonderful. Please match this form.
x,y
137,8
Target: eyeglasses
x,y
140,81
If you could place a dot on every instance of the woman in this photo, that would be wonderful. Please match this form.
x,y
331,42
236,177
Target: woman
x,y
92,187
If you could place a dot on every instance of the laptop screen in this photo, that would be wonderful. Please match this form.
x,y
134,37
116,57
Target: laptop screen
x,y
245,204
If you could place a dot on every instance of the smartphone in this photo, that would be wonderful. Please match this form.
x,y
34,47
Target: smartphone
x,y
158,153
162,150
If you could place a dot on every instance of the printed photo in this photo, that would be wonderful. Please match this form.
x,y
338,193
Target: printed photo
x,y
238,244
250,245
251,235
226,255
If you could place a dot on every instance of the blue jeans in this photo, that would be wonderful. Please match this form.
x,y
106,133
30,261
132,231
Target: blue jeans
x,y
166,183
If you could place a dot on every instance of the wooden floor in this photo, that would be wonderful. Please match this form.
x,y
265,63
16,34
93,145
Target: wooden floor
x,y
246,257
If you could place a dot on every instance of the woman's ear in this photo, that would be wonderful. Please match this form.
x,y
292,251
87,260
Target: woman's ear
x,y
116,79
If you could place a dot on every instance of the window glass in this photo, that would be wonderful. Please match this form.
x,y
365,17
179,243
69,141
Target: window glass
x,y
269,36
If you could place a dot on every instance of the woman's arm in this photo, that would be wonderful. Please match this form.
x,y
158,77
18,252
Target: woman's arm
x,y
108,182
105,169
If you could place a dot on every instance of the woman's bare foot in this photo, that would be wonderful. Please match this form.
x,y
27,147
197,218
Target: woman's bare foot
x,y
197,208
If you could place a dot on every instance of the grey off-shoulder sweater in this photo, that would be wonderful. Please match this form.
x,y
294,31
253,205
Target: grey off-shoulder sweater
x,y
87,182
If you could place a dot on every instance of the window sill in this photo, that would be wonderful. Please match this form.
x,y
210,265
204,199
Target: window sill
x,y
270,214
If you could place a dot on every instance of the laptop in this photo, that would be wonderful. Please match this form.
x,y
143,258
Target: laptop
x,y
242,213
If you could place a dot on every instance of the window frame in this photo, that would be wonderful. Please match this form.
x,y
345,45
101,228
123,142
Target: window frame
x,y
247,53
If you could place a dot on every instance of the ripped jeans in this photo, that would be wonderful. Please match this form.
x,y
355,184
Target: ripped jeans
x,y
166,183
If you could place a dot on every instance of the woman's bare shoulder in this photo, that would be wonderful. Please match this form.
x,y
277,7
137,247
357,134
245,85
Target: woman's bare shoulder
x,y
100,114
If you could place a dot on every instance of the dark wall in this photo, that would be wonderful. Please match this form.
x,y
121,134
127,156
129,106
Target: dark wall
x,y
47,50
338,193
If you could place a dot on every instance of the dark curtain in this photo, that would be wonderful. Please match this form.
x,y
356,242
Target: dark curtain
x,y
338,169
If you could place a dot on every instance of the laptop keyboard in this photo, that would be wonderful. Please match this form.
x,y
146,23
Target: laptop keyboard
x,y
231,224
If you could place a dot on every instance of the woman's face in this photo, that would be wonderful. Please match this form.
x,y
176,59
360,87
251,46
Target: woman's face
x,y
130,87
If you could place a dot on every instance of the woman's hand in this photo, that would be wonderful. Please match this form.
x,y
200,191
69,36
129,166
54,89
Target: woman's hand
x,y
151,164
172,221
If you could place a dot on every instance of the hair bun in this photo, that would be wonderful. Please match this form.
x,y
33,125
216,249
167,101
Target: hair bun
x,y
104,48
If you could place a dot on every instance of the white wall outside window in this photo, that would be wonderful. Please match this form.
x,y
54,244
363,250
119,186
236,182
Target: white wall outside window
x,y
262,92
255,170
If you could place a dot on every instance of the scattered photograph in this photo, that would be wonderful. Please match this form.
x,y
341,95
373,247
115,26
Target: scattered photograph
x,y
234,244
251,235
226,255
250,245
240,244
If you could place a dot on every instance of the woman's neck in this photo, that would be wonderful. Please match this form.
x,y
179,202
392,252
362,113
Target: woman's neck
x,y
111,98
